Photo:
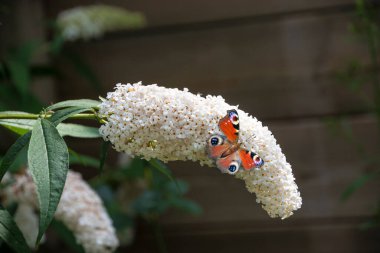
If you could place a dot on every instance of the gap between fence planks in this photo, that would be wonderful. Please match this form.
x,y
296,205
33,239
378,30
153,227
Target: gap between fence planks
x,y
278,69
172,12
324,165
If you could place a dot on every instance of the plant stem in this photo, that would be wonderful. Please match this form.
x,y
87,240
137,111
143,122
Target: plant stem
x,y
159,237
10,115
375,67
370,26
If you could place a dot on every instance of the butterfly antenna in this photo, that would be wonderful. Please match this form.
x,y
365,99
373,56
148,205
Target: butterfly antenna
x,y
252,136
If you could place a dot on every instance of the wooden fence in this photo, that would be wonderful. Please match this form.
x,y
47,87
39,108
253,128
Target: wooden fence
x,y
278,60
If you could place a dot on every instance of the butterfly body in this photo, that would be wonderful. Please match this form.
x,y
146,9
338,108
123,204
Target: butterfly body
x,y
232,149
226,150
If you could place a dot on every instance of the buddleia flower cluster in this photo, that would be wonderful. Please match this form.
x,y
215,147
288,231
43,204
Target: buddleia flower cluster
x,y
80,209
93,21
170,124
26,219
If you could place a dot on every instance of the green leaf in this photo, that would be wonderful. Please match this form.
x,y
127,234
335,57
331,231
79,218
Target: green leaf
x,y
12,153
67,236
6,113
18,64
358,183
84,160
19,126
21,160
147,202
25,52
134,170
84,103
11,234
3,73
48,160
83,69
79,131
103,154
63,114
22,126
177,188
7,95
161,167
56,44
20,75
186,205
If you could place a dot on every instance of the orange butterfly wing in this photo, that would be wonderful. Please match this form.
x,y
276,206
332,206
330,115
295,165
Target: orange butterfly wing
x,y
229,125
218,148
249,159
222,148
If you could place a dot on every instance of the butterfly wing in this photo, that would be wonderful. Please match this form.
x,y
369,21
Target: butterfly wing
x,y
229,164
217,145
219,148
250,159
224,149
229,124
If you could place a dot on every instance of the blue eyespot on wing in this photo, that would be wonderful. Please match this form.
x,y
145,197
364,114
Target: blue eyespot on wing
x,y
229,164
216,146
233,168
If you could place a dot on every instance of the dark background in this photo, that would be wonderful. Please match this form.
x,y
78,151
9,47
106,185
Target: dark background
x,y
278,60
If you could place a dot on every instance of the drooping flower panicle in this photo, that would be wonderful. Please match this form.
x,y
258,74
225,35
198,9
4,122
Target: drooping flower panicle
x,y
80,209
87,22
171,124
26,219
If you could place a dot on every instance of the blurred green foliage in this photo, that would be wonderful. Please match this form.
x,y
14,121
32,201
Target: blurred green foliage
x,y
146,193
16,74
157,190
362,78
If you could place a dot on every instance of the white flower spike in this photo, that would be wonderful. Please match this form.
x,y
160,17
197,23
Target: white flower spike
x,y
80,209
93,21
171,124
